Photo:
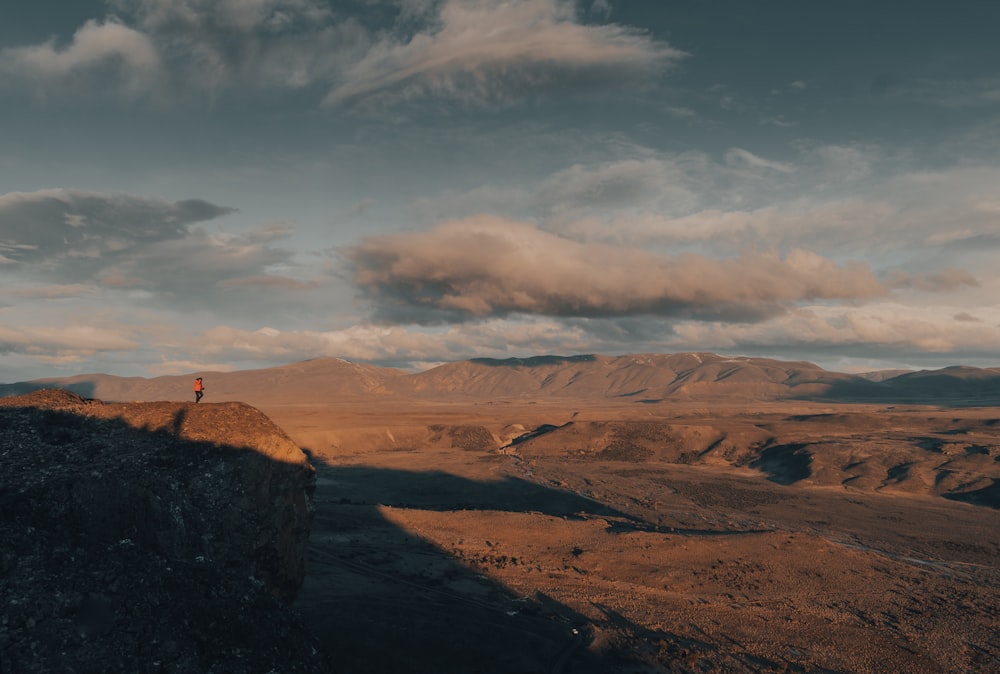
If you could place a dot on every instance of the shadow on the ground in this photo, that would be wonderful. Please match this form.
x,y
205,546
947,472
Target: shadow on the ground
x,y
988,496
785,464
382,599
441,491
544,429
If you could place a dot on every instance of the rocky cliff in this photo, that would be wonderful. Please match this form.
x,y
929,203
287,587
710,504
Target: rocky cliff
x,y
150,537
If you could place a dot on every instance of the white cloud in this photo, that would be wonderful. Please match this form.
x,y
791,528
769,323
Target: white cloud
x,y
95,45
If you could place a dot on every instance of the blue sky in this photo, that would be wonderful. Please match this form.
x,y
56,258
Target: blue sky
x,y
225,184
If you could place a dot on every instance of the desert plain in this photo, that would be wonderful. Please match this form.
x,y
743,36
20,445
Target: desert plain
x,y
551,535
559,517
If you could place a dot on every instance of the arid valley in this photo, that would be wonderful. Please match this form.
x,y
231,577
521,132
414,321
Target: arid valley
x,y
436,552
683,513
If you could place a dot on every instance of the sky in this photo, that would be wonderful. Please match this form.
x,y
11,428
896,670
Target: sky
x,y
191,185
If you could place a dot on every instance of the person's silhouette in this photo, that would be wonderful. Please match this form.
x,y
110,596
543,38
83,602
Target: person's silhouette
x,y
199,389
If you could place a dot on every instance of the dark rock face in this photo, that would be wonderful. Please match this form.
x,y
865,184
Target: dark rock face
x,y
150,537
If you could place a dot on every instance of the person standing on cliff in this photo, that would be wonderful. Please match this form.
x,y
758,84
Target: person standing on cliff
x,y
199,390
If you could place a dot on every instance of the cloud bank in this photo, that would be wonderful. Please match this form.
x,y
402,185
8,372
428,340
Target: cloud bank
x,y
489,266
81,241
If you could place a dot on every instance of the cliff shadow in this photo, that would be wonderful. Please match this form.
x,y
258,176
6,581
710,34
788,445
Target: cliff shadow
x,y
382,598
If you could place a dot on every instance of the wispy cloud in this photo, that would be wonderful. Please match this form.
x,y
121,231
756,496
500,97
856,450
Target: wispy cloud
x,y
65,343
395,345
882,328
472,51
677,185
740,157
779,121
49,292
495,51
680,112
958,94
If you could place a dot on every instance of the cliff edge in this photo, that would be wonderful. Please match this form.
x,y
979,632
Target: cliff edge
x,y
150,537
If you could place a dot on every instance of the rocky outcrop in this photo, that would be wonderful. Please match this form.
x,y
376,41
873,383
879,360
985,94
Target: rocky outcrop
x,y
150,537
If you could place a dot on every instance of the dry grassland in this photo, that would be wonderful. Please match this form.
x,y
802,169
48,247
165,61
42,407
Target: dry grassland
x,y
519,536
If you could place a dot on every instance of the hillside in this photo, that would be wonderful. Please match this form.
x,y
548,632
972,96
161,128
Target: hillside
x,y
641,377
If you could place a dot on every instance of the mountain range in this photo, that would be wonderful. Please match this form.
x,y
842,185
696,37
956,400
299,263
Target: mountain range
x,y
641,378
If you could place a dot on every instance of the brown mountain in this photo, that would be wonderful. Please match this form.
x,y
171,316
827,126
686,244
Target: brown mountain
x,y
637,377
642,377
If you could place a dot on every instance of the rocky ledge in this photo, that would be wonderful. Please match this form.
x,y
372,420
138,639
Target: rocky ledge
x,y
150,537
